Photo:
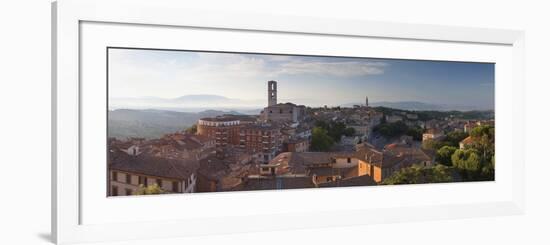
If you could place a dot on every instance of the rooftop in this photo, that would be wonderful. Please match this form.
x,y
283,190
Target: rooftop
x,y
364,180
401,154
467,140
154,166
229,117
276,183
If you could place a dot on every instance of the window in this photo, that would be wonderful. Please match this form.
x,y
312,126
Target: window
x,y
349,160
114,190
128,192
141,180
128,179
159,182
175,186
113,175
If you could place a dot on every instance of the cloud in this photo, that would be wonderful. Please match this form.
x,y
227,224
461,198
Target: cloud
x,y
339,69
137,73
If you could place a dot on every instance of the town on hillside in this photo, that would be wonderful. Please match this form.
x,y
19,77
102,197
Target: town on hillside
x,y
290,146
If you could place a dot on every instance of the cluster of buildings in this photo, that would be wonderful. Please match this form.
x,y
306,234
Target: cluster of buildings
x,y
266,151
436,129
362,167
224,151
278,128
361,118
168,162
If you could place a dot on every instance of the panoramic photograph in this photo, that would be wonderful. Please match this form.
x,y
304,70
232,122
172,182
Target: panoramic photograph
x,y
182,121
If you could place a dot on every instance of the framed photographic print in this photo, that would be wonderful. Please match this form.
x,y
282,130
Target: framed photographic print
x,y
186,123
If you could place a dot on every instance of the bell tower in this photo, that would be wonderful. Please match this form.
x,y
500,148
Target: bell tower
x,y
271,93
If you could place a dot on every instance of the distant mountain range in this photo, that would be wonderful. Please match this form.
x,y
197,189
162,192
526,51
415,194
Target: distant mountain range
x,y
203,102
125,123
188,103
420,106
153,122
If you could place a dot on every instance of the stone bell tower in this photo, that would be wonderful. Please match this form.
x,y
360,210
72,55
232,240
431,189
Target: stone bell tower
x,y
271,93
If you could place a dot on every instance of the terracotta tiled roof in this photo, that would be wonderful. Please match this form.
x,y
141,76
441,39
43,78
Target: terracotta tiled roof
x,y
276,183
154,166
327,171
213,167
434,131
467,140
364,180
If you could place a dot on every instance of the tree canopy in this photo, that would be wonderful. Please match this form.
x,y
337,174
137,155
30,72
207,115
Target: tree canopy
x,y
472,166
454,138
320,140
468,162
444,154
484,141
335,130
418,174
391,129
192,129
477,160
451,139
431,144
398,128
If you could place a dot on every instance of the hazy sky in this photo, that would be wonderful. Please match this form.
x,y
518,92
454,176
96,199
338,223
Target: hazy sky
x,y
313,81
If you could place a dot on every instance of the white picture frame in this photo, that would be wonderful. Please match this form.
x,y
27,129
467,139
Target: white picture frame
x,y
68,197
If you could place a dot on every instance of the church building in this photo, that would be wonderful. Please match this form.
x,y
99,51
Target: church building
x,y
280,112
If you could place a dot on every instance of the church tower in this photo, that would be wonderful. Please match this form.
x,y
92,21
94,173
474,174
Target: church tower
x,y
271,93
367,101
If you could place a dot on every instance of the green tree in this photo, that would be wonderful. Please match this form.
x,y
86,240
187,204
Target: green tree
x,y
444,154
397,129
431,144
418,174
484,141
415,132
468,162
484,144
454,138
349,132
441,174
149,190
192,129
335,129
320,140
391,129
